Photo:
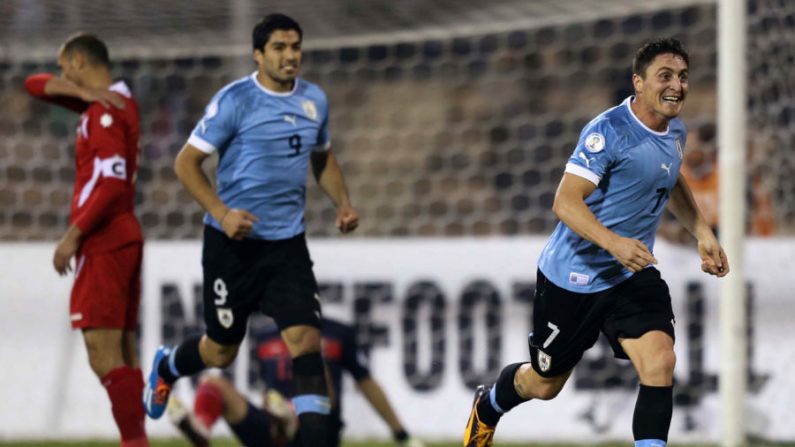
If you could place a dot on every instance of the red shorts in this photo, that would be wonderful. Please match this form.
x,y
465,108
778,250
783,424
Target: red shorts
x,y
107,290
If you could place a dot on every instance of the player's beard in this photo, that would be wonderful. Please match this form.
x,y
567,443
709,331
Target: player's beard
x,y
282,78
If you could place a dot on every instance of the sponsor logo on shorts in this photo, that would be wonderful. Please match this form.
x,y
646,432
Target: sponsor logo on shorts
x,y
76,317
226,317
544,361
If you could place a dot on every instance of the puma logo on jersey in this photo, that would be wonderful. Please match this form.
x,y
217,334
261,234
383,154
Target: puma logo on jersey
x,y
667,169
586,159
290,119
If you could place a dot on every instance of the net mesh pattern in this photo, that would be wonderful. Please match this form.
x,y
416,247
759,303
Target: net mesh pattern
x,y
437,136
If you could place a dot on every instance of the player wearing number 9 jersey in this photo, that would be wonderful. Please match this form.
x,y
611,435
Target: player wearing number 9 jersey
x,y
264,140
267,128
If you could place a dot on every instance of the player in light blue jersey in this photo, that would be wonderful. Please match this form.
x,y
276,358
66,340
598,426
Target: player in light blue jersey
x,y
267,129
596,272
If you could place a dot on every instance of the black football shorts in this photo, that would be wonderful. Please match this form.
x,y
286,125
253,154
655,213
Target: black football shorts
x,y
566,324
242,276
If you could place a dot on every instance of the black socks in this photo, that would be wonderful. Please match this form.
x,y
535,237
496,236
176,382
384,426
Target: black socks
x,y
653,412
184,360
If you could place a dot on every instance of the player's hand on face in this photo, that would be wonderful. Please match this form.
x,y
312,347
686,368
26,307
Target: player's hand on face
x,y
238,223
713,258
66,248
632,254
347,219
105,97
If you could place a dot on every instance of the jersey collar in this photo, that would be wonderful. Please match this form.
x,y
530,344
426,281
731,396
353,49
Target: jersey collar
x,y
121,88
627,103
271,92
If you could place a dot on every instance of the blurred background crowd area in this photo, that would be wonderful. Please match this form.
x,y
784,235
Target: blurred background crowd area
x,y
449,118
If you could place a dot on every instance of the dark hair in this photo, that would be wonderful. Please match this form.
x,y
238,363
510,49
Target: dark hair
x,y
89,45
646,53
270,23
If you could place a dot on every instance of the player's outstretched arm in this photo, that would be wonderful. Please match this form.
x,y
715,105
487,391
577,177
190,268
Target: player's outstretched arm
x,y
683,206
571,209
65,93
375,395
237,223
329,176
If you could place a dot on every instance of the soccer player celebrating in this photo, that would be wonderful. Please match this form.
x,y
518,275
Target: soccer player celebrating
x,y
104,235
273,424
596,272
266,128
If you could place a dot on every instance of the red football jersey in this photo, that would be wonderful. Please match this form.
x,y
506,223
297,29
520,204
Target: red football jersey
x,y
106,162
106,166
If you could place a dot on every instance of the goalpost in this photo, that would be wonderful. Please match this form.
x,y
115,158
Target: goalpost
x,y
732,100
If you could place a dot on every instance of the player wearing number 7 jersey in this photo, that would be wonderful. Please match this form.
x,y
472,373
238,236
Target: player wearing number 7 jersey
x,y
596,272
267,128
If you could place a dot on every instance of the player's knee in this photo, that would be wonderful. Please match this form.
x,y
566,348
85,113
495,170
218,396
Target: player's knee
x,y
658,369
302,340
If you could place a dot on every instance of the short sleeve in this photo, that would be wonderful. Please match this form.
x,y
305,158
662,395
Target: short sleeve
x,y
218,125
596,151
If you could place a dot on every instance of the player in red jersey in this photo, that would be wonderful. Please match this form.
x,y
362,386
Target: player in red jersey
x,y
104,235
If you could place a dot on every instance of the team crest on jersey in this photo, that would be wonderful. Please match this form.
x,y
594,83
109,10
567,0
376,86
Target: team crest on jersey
x,y
226,317
310,109
106,120
595,142
544,361
679,148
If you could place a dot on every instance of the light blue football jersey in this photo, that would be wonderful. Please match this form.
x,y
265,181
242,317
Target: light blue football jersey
x,y
264,140
634,169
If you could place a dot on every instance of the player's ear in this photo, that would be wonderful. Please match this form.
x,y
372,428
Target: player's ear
x,y
637,82
258,56
79,60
